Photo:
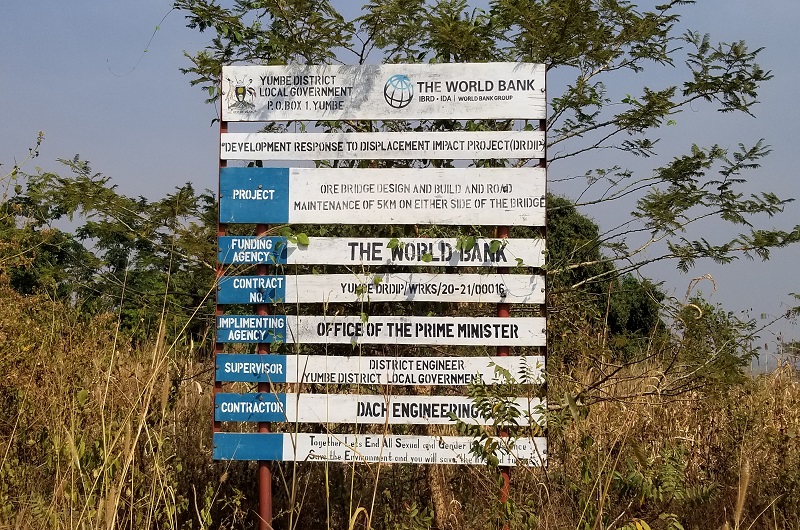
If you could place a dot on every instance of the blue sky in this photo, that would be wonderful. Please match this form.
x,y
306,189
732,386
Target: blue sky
x,y
79,72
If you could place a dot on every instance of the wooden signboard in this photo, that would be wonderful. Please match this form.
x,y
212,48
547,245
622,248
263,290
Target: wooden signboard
x,y
462,196
372,448
384,92
413,95
364,251
324,369
387,287
334,329
382,145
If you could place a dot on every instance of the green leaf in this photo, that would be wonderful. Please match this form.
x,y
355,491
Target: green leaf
x,y
302,239
465,243
573,406
393,243
427,257
469,243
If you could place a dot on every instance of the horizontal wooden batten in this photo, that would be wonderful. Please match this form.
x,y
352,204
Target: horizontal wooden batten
x,y
386,287
448,91
366,409
373,448
462,331
366,251
445,371
453,196
382,145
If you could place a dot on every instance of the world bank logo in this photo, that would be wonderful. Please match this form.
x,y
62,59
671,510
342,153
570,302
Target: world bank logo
x,y
398,91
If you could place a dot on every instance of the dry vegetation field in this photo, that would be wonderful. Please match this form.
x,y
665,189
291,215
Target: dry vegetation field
x,y
96,433
652,419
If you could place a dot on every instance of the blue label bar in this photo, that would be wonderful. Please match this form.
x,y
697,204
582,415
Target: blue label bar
x,y
239,367
251,250
254,195
251,329
247,446
251,289
258,406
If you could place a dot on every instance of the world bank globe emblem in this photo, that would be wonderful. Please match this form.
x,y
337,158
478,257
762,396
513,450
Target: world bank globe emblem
x,y
398,91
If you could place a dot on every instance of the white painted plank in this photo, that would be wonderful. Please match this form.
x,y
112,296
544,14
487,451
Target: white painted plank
x,y
463,331
443,371
461,196
366,251
384,92
373,448
381,287
457,145
366,409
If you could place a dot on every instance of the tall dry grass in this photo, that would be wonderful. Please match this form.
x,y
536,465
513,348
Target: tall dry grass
x,y
94,433
699,460
97,434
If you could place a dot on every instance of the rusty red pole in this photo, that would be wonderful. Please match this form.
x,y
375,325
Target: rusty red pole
x,y
543,235
221,231
504,311
264,472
